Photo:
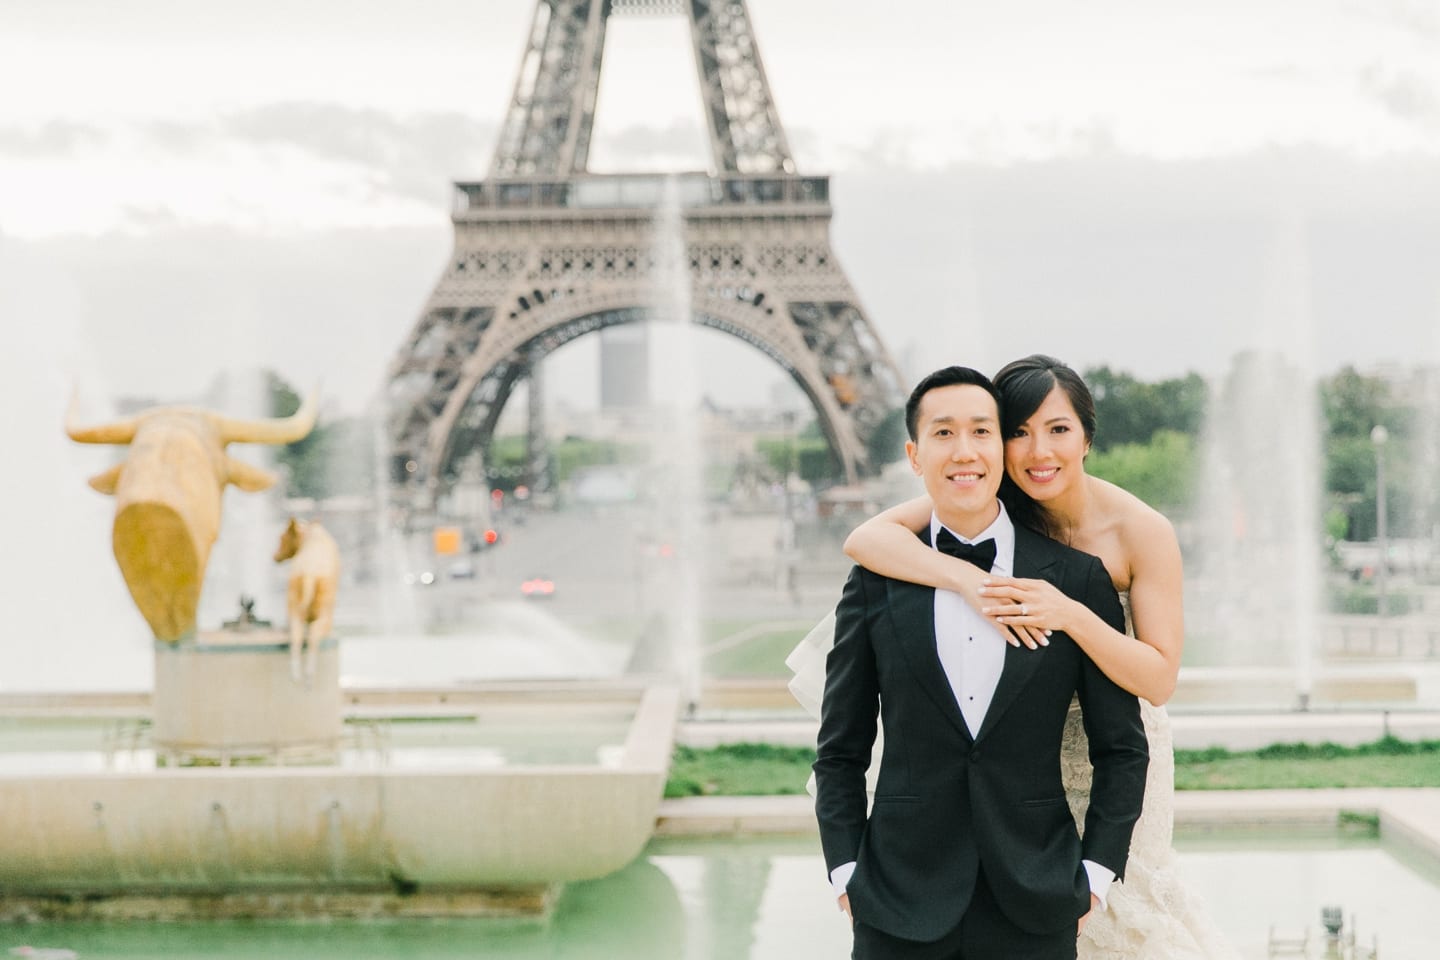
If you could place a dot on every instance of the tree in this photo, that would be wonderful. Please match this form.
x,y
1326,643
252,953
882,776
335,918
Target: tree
x,y
809,458
887,441
1161,472
1353,404
1129,411
304,461
506,466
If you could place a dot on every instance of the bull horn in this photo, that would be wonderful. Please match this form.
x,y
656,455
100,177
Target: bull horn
x,y
280,430
109,481
248,478
121,431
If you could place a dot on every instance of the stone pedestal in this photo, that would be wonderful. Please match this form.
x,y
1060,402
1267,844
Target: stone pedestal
x,y
229,697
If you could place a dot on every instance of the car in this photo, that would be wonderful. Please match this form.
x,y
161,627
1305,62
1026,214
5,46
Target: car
x,y
488,539
462,569
423,578
538,588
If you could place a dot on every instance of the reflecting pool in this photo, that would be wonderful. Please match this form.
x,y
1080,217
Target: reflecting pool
x,y
1253,881
766,899
469,739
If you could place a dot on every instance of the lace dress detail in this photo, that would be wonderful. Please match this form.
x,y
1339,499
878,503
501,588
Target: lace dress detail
x,y
1150,915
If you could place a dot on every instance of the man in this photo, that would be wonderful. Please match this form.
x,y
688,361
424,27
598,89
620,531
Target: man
x,y
970,851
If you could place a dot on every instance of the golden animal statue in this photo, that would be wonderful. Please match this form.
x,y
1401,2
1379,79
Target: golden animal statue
x,y
167,498
310,596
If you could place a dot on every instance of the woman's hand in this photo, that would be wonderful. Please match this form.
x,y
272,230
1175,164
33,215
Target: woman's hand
x,y
1032,609
969,581
1017,634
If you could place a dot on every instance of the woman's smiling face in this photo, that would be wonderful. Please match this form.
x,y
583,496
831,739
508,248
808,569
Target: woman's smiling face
x,y
1045,455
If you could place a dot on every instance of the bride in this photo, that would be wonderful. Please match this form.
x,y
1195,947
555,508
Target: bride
x,y
1048,419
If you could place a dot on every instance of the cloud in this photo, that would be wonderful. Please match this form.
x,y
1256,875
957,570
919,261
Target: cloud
x,y
890,148
160,312
1153,267
148,218
414,155
1286,72
280,165
678,145
55,138
173,136
428,147
1405,94
987,143
1417,18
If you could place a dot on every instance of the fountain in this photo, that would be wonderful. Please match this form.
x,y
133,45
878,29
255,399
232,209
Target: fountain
x,y
51,525
240,563
1426,458
676,459
1260,520
236,791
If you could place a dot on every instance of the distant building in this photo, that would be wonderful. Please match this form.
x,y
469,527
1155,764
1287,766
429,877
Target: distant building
x,y
624,367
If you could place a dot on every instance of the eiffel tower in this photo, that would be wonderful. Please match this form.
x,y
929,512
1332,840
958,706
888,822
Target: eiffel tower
x,y
546,252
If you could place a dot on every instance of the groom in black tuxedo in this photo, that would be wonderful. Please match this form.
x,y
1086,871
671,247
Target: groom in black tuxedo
x,y
970,852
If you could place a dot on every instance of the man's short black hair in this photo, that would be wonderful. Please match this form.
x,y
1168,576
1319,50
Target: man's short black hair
x,y
945,377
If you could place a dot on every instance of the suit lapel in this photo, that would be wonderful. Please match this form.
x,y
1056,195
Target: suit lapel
x,y
912,611
1032,559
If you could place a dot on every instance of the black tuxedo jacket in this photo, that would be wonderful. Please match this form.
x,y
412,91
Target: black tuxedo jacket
x,y
947,803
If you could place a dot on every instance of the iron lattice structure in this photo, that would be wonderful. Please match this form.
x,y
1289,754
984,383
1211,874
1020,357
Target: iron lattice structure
x,y
546,252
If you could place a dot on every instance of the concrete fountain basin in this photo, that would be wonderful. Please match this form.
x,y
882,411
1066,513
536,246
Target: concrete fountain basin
x,y
441,838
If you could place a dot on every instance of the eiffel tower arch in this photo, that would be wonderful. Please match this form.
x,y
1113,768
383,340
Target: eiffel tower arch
x,y
546,251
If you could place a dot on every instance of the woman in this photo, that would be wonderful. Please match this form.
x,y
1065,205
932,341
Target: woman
x,y
1048,421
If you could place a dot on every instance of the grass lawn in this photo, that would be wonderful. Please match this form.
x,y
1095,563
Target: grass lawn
x,y
751,769
1388,762
739,769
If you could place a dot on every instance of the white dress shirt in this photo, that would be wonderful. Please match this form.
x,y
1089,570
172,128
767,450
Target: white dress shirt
x,y
972,653
971,647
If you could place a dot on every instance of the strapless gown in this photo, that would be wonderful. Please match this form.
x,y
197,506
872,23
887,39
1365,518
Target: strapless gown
x,y
1150,915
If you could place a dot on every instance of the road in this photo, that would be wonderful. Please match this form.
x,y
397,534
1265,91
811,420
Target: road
x,y
609,567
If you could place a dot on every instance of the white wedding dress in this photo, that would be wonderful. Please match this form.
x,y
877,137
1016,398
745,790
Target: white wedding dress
x,y
1150,915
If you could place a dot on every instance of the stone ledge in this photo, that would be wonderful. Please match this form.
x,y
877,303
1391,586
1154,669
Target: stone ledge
x,y
734,816
1191,730
1410,815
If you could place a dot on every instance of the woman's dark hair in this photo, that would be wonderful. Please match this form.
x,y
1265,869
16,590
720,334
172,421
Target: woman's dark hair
x,y
1023,385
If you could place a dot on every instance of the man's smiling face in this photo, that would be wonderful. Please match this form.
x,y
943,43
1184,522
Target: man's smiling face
x,y
959,454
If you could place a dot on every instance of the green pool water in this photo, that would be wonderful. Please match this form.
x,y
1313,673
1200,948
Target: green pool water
x,y
766,899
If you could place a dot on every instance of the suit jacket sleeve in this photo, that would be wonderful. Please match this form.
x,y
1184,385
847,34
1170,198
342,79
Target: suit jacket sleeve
x,y
847,727
1119,751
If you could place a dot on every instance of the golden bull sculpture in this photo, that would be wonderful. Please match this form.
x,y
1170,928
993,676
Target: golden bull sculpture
x,y
167,498
310,592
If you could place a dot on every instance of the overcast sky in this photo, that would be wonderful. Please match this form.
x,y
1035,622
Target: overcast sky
x,y
1155,185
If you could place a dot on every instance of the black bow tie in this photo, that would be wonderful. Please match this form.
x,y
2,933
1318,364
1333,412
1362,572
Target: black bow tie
x,y
981,554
